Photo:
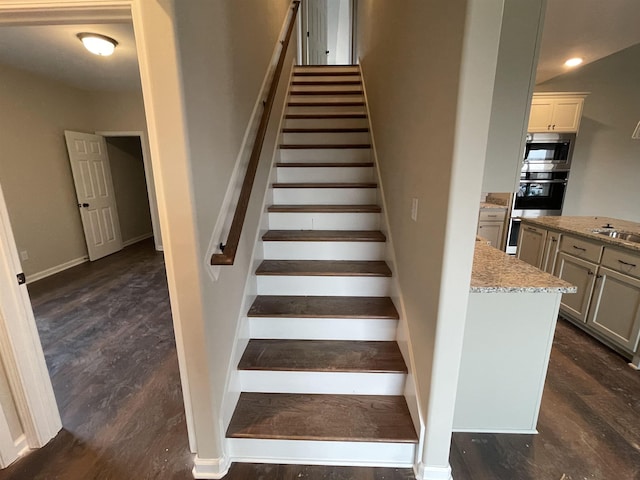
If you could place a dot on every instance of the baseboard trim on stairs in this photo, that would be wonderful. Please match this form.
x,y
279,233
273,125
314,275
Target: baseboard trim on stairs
x,y
424,472
210,468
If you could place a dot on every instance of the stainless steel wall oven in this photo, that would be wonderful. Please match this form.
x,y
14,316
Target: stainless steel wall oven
x,y
543,181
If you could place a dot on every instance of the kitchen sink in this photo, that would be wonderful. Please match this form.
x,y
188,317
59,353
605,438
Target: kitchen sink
x,y
626,236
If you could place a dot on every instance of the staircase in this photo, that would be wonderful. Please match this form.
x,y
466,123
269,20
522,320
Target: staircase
x,y
322,375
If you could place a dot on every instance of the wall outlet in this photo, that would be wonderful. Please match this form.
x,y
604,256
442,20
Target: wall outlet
x,y
24,255
414,209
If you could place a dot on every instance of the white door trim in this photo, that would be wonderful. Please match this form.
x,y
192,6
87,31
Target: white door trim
x,y
22,353
148,175
43,12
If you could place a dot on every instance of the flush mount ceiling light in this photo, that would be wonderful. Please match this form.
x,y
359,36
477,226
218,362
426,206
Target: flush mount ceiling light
x,y
98,44
573,62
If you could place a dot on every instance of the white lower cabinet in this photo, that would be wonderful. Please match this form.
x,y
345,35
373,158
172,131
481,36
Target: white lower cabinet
x,y
615,308
550,252
491,225
580,273
531,245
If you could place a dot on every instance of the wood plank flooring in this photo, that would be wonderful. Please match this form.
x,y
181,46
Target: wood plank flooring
x,y
108,339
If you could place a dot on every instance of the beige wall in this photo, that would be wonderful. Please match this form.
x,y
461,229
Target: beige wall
x,y
606,161
429,69
34,166
225,49
127,172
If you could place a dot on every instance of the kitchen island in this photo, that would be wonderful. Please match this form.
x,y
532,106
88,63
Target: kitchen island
x,y
511,319
601,256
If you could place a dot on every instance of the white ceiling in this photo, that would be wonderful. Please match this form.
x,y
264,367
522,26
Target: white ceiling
x,y
56,52
591,29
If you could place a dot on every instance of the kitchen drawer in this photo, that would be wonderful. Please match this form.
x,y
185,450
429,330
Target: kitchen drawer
x,y
621,261
492,214
581,248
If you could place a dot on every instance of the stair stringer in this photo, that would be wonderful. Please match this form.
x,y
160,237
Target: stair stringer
x,y
232,387
402,334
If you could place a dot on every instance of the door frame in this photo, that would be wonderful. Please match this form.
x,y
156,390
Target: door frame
x,y
29,368
148,175
20,346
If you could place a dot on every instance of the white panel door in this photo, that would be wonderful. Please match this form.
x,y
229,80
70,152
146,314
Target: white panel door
x,y
94,189
317,32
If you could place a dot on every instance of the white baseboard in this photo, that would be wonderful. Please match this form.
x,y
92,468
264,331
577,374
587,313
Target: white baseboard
x,y
210,467
21,444
57,269
424,472
137,239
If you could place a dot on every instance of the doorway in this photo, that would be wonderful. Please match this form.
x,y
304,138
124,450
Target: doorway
x,y
52,169
327,32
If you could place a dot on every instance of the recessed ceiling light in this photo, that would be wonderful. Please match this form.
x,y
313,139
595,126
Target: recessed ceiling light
x,y
98,44
573,62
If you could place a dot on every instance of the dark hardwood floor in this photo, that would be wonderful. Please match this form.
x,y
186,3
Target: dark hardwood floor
x,y
589,424
108,339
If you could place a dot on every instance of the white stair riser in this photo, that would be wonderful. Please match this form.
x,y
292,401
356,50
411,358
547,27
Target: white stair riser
x,y
334,155
324,196
316,138
324,99
330,286
307,452
324,250
323,221
325,174
337,108
337,383
325,69
364,329
325,123
327,78
327,88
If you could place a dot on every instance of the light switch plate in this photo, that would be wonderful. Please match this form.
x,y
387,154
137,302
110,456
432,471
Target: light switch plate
x,y
414,209
636,133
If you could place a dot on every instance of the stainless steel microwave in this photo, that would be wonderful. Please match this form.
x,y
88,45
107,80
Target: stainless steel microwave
x,y
546,152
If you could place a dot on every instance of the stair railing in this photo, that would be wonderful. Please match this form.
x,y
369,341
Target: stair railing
x,y
230,247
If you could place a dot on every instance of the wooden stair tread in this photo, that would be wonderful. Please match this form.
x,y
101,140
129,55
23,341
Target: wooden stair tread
x,y
287,306
326,130
305,146
324,164
324,236
324,185
325,268
326,103
303,83
326,92
323,356
325,115
355,418
325,208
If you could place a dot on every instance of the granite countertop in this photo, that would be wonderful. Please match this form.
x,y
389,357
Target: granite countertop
x,y
584,226
496,272
492,205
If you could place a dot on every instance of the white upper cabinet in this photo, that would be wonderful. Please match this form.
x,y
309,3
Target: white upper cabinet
x,y
555,112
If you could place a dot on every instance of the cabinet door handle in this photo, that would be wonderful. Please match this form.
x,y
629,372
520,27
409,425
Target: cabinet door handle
x,y
628,264
554,239
549,127
531,229
598,276
579,248
492,216
554,127
589,272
